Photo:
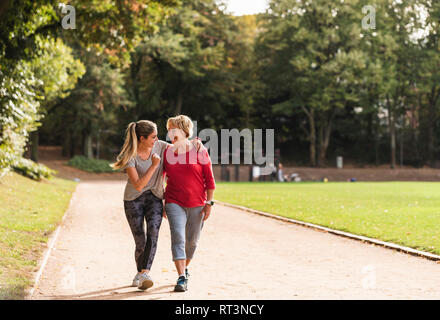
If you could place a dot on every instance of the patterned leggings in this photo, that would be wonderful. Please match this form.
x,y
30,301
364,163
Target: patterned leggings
x,y
147,206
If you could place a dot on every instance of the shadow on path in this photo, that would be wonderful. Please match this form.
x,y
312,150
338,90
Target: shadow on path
x,y
112,294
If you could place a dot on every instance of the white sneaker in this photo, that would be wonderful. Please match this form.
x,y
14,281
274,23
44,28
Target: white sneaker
x,y
135,280
145,281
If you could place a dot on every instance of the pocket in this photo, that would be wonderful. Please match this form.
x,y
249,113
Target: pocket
x,y
172,208
168,207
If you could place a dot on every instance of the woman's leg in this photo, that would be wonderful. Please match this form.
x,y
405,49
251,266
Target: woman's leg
x,y
194,226
134,211
153,216
177,220
180,267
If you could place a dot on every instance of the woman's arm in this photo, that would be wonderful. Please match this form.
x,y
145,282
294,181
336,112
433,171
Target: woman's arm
x,y
208,207
209,194
164,143
209,182
140,183
208,175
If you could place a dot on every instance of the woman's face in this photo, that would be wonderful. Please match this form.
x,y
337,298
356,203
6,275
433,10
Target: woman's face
x,y
175,134
149,142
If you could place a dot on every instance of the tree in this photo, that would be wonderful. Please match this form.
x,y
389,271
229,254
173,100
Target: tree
x,y
90,108
429,75
399,60
111,28
59,72
311,60
194,63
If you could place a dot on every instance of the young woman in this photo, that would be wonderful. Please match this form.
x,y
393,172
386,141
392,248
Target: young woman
x,y
141,157
188,195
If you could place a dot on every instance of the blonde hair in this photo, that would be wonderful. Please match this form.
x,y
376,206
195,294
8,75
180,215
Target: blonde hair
x,y
135,130
181,122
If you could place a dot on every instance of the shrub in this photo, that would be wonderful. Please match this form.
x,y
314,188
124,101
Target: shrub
x,y
18,111
90,165
31,169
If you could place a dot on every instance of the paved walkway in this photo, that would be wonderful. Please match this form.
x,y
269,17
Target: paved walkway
x,y
240,256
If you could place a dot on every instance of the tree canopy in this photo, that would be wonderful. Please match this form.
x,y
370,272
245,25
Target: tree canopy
x,y
309,69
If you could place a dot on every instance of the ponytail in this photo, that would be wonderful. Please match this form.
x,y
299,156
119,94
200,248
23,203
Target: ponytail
x,y
128,149
135,130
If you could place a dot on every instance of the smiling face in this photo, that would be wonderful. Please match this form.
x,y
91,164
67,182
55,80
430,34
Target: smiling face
x,y
180,128
149,141
175,134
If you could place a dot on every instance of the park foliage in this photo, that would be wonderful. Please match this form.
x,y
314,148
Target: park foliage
x,y
309,69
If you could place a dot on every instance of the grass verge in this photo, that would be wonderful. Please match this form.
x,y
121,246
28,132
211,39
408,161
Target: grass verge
x,y
405,213
29,212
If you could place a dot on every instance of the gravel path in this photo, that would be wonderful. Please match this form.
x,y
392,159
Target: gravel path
x,y
240,256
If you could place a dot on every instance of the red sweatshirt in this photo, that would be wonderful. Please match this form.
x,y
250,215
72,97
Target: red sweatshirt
x,y
189,175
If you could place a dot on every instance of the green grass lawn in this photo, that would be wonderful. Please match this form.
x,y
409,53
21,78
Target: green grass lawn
x,y
29,212
405,213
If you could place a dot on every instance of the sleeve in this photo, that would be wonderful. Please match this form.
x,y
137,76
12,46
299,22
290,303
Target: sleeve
x,y
131,163
207,171
162,145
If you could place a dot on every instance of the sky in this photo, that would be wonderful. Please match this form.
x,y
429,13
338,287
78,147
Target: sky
x,y
241,7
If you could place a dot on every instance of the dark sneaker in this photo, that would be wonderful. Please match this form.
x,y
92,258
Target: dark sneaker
x,y
181,285
186,278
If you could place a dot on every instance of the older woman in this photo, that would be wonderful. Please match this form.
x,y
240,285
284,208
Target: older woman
x,y
142,158
188,194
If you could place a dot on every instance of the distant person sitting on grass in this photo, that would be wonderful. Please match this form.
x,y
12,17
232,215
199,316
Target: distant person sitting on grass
x,y
141,157
188,195
280,174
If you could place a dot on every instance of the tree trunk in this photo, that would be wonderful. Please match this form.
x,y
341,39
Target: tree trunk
x,y
430,139
311,135
432,117
325,132
67,143
402,131
73,146
179,102
392,126
370,138
134,71
88,152
34,145
320,144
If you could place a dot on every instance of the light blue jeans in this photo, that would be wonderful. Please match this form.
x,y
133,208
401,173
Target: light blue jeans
x,y
185,227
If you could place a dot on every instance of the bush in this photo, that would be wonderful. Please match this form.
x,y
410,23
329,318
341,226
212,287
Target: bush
x,y
31,169
90,165
18,111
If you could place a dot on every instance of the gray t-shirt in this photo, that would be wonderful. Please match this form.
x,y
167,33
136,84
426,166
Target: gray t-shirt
x,y
156,182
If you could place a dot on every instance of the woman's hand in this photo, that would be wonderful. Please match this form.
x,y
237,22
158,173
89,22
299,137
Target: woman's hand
x,y
207,211
155,160
198,144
